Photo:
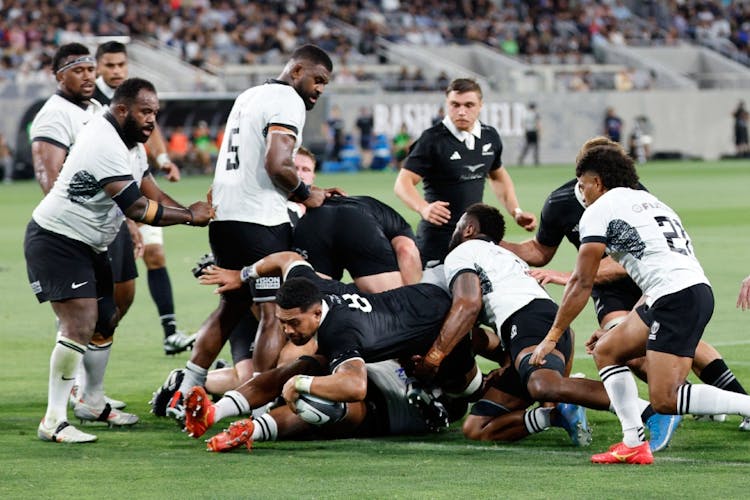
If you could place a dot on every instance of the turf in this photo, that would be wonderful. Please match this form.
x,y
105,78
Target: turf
x,y
154,459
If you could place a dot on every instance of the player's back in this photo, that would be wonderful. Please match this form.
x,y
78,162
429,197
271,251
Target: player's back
x,y
504,278
647,237
242,189
380,325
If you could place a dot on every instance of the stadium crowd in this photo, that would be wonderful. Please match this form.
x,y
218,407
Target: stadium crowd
x,y
213,34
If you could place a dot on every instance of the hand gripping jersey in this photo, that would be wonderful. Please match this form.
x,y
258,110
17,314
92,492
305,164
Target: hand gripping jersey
x,y
77,206
506,284
242,189
647,238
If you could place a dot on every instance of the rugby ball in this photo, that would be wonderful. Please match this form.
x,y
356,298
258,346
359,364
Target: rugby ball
x,y
319,411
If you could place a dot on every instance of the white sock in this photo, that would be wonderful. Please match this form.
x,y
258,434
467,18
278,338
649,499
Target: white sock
x,y
623,393
232,404
702,399
265,428
95,364
194,375
537,420
63,363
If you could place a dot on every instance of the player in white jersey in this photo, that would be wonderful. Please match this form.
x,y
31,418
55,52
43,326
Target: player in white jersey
x,y
53,132
66,244
254,177
57,123
649,240
112,69
492,286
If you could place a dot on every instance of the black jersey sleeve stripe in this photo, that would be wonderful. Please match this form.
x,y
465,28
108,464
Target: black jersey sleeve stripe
x,y
594,239
127,196
290,128
459,273
115,178
49,140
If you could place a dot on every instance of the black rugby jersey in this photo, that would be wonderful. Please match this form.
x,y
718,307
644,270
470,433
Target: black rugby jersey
x,y
380,326
352,233
451,172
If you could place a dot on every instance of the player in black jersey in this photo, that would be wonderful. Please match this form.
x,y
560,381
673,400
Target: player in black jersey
x,y
614,293
452,159
358,326
362,235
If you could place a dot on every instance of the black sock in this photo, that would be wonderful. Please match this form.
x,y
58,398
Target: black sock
x,y
718,374
647,412
161,291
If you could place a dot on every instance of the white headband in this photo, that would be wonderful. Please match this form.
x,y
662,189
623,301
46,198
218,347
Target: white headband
x,y
87,59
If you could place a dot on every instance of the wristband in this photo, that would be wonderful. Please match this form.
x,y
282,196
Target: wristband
x,y
517,211
162,160
301,192
302,383
248,273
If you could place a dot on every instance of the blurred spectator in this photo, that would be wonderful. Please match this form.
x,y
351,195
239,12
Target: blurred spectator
x,y
624,80
178,145
740,116
205,147
344,76
580,81
532,127
6,160
639,144
440,114
381,153
612,125
442,82
349,154
334,134
365,124
401,144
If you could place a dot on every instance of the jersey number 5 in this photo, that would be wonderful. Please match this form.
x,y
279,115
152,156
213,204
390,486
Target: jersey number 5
x,y
674,236
355,301
233,163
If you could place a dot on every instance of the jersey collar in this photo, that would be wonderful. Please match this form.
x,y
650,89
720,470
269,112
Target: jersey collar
x,y
111,119
104,88
274,80
578,194
84,104
324,312
461,135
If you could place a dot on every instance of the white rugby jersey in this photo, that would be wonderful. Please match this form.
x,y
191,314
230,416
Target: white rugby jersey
x,y
60,119
505,280
647,238
77,206
242,189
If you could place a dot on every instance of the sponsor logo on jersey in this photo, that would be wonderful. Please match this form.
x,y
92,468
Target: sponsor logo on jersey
x,y
513,332
474,168
76,286
268,283
455,156
654,328
487,150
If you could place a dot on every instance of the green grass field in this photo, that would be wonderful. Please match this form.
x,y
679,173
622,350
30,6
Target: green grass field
x,y
155,460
